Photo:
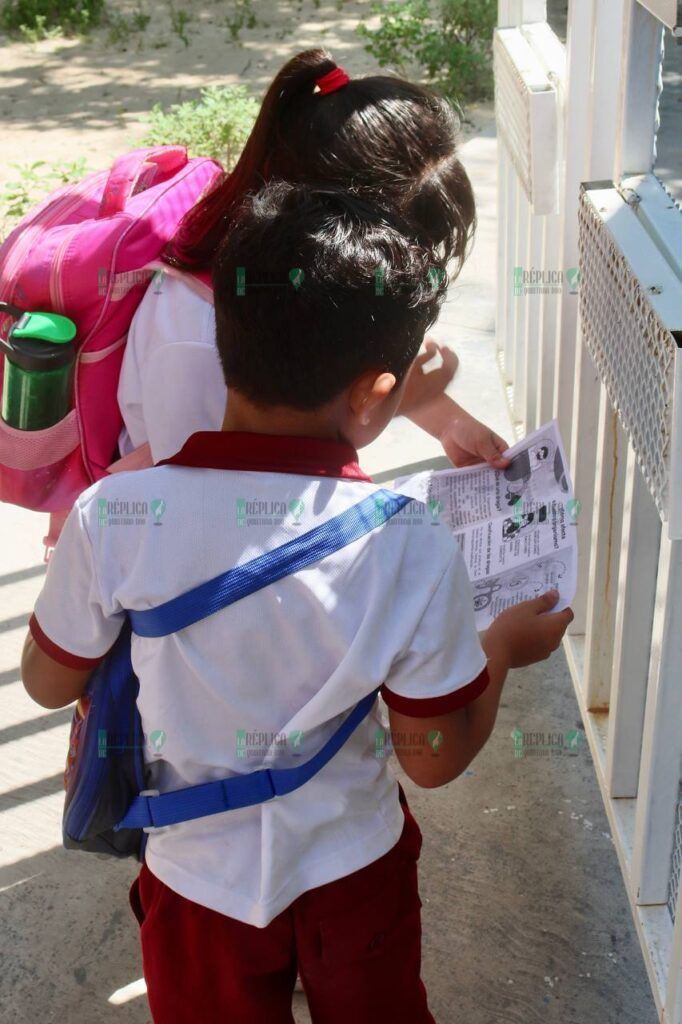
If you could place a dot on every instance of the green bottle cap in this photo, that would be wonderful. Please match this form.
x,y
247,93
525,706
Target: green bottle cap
x,y
45,327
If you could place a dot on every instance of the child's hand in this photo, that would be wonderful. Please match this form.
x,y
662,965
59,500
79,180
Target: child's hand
x,y
525,633
424,386
467,442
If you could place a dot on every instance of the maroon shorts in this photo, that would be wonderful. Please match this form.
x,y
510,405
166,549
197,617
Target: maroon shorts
x,y
356,943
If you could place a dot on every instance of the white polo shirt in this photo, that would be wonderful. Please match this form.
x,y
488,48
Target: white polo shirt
x,y
171,383
267,680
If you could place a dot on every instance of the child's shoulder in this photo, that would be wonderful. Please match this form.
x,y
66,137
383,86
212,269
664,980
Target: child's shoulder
x,y
124,489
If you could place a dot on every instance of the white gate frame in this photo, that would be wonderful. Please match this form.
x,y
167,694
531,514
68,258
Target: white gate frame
x,y
603,353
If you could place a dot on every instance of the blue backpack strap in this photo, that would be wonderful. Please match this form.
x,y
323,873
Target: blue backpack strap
x,y
239,790
148,811
231,586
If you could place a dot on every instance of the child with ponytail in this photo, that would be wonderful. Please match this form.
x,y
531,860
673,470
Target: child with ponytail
x,y
383,139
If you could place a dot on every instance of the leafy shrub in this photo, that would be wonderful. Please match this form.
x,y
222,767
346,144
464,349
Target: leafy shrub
x,y
216,125
40,19
449,41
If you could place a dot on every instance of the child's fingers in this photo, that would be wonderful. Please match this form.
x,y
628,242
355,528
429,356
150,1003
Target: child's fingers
x,y
545,602
498,459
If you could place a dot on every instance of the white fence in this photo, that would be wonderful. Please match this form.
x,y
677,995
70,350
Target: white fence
x,y
590,331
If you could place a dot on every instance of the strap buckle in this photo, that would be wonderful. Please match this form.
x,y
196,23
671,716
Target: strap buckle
x,y
152,828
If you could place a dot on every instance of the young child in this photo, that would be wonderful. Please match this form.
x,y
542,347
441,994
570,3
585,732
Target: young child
x,y
387,139
322,880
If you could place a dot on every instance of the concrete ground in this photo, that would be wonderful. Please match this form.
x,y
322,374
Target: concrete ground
x,y
525,916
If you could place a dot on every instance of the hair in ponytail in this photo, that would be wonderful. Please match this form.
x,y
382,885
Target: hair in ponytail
x,y
380,137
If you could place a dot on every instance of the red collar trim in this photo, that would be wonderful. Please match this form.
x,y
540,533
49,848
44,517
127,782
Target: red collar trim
x,y
268,453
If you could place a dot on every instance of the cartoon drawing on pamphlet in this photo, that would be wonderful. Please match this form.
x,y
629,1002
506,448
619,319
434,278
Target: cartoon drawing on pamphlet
x,y
523,465
533,579
515,528
512,526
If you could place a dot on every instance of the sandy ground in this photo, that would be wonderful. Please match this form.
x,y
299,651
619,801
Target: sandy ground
x,y
68,98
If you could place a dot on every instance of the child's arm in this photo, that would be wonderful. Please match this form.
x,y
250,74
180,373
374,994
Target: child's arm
x,y
466,441
73,625
48,682
445,745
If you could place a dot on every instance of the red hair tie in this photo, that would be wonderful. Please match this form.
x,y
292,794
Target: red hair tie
x,y
332,81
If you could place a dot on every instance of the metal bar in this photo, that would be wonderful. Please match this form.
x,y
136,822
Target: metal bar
x,y
603,564
518,368
508,286
503,218
578,82
643,44
641,537
549,313
533,324
662,737
511,13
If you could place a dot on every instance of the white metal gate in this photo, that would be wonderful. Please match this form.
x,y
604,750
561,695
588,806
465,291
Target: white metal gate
x,y
590,331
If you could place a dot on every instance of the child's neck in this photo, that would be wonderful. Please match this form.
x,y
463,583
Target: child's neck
x,y
243,415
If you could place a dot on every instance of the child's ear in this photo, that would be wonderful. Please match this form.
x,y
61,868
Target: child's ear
x,y
368,392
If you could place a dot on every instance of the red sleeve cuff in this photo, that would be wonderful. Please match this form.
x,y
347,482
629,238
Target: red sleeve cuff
x,y
56,652
431,707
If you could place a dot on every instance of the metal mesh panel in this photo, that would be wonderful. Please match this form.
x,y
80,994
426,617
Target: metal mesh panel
x,y
676,865
634,352
512,112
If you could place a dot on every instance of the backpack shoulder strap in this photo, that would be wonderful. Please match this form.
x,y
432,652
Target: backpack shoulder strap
x,y
158,810
223,590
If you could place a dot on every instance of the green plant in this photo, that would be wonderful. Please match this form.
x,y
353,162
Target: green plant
x,y
122,27
449,41
243,16
180,19
42,19
34,33
216,125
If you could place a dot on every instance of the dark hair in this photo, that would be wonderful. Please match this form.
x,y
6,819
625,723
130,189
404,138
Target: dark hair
x,y
313,287
381,137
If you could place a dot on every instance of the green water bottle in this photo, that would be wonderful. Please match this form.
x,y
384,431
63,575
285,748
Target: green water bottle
x,y
37,389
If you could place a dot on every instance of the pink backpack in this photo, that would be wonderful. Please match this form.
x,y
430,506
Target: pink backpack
x,y
88,251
